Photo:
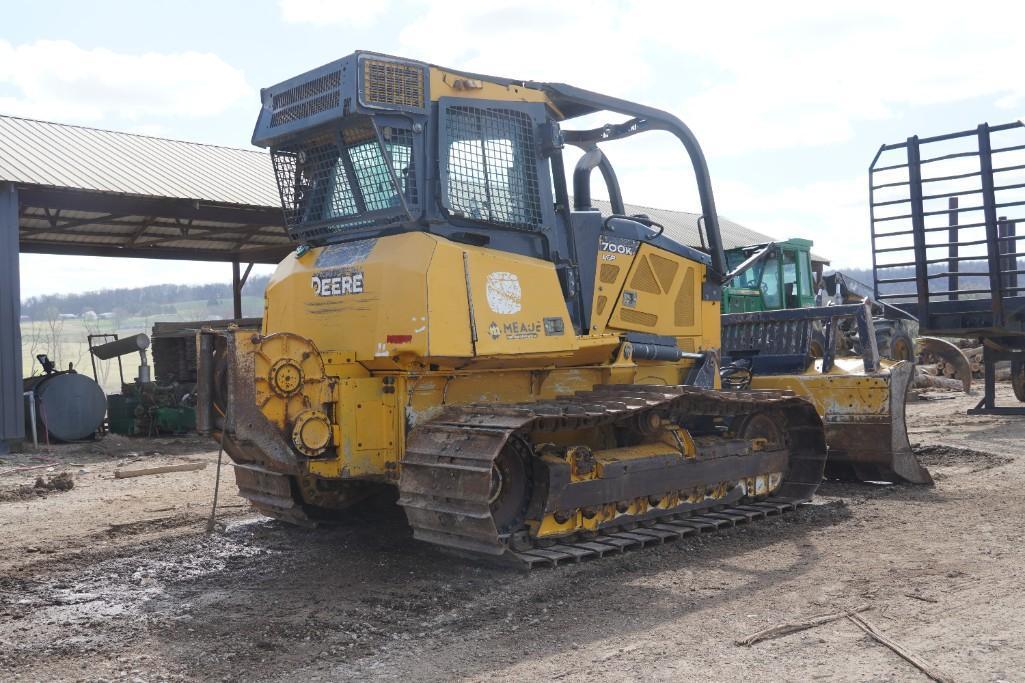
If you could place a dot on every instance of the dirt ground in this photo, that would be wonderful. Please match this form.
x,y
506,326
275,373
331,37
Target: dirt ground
x,y
116,580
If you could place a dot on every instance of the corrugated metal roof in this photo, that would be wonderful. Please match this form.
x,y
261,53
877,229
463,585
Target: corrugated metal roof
x,y
58,155
682,226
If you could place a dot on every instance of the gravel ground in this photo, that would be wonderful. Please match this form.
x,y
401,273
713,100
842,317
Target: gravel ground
x,y
116,580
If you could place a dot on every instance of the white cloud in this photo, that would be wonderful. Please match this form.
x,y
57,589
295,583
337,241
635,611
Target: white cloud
x,y
333,12
56,79
834,214
810,74
531,39
746,75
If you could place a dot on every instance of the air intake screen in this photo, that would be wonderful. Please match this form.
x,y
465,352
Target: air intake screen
x,y
393,84
306,99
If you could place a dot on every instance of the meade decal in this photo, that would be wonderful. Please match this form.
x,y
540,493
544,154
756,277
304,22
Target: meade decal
x,y
515,331
333,284
613,246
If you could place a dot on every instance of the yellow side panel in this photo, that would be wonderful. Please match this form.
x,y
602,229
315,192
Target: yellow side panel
x,y
517,303
614,260
448,310
368,436
367,297
407,295
662,295
711,329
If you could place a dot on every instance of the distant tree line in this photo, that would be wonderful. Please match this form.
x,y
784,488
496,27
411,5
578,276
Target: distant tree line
x,y
135,301
973,275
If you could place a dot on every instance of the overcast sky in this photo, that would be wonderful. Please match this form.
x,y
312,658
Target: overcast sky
x,y
790,100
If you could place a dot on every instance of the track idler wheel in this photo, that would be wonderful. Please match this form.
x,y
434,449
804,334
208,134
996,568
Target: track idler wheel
x,y
511,486
767,426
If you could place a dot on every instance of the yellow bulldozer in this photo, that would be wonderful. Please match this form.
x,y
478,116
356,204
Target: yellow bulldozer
x,y
539,381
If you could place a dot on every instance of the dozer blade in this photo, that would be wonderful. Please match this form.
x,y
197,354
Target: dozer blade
x,y
866,444
864,420
949,354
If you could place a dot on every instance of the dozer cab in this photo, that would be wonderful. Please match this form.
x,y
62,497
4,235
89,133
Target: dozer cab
x,y
769,277
538,380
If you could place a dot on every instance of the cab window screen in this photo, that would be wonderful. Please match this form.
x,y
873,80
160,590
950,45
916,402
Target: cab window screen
x,y
490,167
338,181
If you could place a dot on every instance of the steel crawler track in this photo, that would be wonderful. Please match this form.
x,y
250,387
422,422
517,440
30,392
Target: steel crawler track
x,y
446,473
663,531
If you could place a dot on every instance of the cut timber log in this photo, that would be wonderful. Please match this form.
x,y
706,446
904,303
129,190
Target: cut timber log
x,y
924,381
188,467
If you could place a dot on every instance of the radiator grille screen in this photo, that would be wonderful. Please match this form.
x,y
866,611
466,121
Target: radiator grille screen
x,y
638,317
685,300
608,273
394,84
644,278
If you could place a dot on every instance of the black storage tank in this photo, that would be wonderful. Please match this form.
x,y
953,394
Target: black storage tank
x,y
69,406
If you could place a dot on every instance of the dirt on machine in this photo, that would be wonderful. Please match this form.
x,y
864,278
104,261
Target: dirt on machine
x,y
538,381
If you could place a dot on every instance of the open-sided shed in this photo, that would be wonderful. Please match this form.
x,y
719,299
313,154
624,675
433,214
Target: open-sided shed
x,y
88,192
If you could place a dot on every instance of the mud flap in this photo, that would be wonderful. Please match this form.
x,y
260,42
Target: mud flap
x,y
875,447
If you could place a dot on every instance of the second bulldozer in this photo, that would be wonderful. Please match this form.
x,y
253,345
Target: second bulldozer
x,y
538,380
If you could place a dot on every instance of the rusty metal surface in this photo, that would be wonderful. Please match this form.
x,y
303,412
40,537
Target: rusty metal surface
x,y
446,480
874,446
266,468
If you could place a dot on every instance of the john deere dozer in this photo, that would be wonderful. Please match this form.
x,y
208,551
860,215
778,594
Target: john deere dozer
x,y
539,381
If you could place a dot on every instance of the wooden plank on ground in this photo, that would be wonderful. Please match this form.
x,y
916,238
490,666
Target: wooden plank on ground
x,y
187,467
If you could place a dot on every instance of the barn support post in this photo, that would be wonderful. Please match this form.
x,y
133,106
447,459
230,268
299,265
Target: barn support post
x,y
12,407
236,290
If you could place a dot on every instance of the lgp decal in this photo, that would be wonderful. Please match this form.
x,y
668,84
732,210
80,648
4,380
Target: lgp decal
x,y
337,284
504,293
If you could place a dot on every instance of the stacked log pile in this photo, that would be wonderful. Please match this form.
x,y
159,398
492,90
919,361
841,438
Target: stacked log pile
x,y
934,372
973,352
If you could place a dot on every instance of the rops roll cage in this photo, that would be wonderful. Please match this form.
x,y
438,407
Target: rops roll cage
x,y
577,102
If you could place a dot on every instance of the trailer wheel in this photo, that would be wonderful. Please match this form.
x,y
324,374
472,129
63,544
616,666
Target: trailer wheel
x,y
901,347
1018,379
894,340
